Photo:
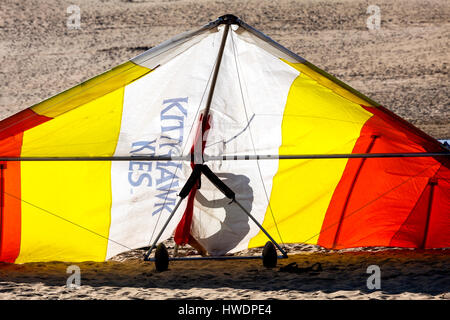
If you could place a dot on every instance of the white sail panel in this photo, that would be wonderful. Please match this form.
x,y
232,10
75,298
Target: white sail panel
x,y
158,114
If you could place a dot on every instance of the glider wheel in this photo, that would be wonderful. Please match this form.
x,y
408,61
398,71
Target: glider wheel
x,y
269,255
161,258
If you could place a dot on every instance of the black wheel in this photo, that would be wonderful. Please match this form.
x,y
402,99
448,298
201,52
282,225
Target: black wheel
x,y
269,255
161,258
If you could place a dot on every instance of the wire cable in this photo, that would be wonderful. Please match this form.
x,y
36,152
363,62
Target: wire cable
x,y
370,202
66,220
251,137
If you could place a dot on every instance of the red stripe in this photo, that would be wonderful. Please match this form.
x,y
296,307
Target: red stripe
x,y
10,227
20,122
372,204
183,230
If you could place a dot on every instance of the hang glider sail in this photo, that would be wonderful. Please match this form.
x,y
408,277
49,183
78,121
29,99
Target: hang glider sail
x,y
339,170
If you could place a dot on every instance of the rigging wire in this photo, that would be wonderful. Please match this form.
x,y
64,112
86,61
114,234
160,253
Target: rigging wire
x,y
128,248
372,201
224,142
251,137
65,219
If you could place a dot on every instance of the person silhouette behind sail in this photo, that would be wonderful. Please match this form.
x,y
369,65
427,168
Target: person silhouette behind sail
x,y
235,225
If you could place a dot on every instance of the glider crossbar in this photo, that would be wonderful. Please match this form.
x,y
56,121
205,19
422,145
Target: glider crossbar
x,y
235,157
115,158
327,156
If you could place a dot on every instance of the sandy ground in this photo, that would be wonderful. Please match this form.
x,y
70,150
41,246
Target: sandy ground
x,y
403,65
405,274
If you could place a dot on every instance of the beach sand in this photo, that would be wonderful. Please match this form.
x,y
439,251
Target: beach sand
x,y
404,274
403,66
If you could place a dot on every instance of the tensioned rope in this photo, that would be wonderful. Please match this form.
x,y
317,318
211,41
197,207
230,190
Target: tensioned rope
x,y
251,136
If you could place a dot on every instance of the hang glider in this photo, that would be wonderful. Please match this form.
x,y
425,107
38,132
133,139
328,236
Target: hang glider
x,y
96,170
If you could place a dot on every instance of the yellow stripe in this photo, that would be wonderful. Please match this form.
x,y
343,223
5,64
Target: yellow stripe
x,y
89,130
66,205
316,120
328,83
90,89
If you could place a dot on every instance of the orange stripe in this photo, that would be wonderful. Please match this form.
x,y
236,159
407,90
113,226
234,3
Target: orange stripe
x,y
375,197
10,222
